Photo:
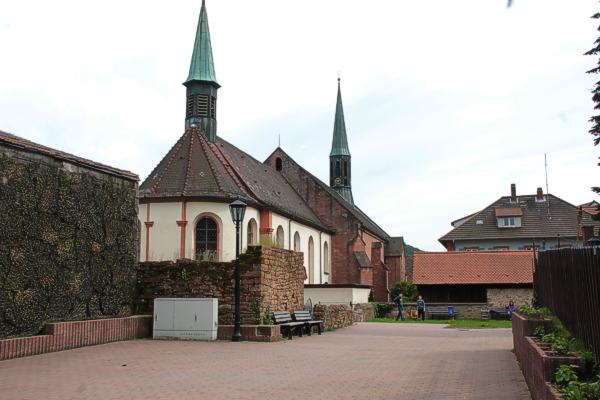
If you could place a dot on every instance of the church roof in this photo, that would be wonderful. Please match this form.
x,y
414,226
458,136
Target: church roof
x,y
197,168
364,219
339,145
202,67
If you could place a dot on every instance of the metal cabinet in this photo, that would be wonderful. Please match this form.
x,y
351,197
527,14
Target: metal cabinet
x,y
195,319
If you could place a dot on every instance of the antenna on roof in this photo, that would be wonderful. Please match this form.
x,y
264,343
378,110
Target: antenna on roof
x,y
547,191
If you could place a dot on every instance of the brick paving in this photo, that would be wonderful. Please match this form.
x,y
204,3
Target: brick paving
x,y
368,361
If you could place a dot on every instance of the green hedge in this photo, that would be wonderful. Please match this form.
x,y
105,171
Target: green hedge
x,y
68,247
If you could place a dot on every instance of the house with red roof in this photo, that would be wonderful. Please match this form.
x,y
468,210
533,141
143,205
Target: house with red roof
x,y
492,277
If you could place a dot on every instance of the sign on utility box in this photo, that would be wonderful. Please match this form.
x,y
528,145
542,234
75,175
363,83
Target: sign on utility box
x,y
191,319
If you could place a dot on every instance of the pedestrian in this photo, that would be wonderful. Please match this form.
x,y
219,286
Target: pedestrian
x,y
421,308
510,308
400,304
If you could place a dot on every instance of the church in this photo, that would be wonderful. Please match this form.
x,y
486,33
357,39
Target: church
x,y
184,202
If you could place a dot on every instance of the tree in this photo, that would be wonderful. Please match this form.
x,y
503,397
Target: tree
x,y
595,120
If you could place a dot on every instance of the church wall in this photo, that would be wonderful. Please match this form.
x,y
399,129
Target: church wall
x,y
165,233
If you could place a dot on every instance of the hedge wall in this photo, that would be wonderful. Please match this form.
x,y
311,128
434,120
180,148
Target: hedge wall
x,y
68,244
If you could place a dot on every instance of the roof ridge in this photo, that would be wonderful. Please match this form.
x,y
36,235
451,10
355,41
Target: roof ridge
x,y
230,168
203,144
189,166
343,202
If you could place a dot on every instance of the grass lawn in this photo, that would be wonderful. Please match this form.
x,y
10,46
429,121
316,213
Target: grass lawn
x,y
459,323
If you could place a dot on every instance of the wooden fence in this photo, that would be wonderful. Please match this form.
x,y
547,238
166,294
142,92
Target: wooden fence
x,y
568,282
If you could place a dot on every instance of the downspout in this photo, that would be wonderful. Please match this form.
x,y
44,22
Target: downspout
x,y
320,258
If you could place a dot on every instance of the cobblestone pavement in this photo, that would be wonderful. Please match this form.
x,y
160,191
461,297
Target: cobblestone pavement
x,y
368,361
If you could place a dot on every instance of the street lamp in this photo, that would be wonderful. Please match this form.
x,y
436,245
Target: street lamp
x,y
237,209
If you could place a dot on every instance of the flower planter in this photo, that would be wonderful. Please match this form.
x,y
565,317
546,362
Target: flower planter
x,y
552,393
523,327
540,366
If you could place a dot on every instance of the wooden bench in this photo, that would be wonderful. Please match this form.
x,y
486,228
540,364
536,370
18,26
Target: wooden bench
x,y
439,311
305,317
288,326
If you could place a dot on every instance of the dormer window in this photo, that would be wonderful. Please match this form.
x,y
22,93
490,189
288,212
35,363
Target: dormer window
x,y
509,222
509,217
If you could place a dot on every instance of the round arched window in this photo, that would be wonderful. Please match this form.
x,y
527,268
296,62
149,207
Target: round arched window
x,y
207,238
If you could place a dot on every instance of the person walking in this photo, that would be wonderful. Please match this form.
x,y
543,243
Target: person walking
x,y
400,304
421,308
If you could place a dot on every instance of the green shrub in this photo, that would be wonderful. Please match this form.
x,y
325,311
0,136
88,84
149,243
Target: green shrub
x,y
382,309
534,312
408,290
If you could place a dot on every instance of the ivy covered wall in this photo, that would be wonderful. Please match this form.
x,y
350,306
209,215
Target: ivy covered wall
x,y
68,242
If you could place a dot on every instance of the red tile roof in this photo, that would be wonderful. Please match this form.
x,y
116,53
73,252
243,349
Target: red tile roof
x,y
16,142
477,267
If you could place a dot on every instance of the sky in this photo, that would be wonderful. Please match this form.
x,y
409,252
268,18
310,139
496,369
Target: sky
x,y
446,102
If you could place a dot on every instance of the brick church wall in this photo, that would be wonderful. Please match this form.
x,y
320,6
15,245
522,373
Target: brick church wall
x,y
275,275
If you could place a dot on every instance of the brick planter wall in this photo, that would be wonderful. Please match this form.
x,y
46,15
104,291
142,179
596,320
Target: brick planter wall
x,y
69,335
334,316
523,327
276,275
539,368
252,333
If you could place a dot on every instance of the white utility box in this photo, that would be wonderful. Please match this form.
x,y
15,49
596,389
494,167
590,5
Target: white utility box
x,y
193,319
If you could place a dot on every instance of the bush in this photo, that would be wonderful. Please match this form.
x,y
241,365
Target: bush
x,y
534,312
408,290
383,309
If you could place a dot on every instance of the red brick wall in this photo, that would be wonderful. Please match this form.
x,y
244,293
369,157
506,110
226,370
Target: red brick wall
x,y
69,335
397,267
344,266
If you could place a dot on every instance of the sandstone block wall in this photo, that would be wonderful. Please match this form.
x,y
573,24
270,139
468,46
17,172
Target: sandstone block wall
x,y
499,297
364,312
274,275
334,316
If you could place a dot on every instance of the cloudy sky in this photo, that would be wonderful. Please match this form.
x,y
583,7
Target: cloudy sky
x,y
447,102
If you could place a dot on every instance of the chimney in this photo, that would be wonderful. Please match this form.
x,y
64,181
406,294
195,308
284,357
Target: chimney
x,y
540,194
588,233
513,193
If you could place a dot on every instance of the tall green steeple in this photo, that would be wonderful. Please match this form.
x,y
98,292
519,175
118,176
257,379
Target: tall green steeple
x,y
201,84
340,162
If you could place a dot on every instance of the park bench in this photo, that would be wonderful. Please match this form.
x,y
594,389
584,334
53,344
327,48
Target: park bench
x,y
443,311
499,313
305,317
288,326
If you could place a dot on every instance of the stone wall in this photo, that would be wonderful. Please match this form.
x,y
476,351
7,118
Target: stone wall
x,y
334,316
274,275
464,310
364,312
69,240
499,297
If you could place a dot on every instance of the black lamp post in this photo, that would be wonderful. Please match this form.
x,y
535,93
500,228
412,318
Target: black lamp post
x,y
237,209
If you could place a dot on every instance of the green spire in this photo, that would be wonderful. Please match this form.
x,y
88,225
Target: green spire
x,y
339,145
202,67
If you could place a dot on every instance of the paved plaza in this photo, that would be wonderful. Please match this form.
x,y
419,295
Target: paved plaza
x,y
368,361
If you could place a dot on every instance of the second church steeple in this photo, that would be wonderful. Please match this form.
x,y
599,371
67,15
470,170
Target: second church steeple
x,y
340,162
201,84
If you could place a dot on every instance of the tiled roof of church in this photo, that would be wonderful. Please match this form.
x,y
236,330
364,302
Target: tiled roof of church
x,y
20,143
219,171
364,219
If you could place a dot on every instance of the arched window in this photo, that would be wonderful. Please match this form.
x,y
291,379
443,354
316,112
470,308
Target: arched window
x,y
280,237
296,241
207,239
278,164
252,238
311,260
326,265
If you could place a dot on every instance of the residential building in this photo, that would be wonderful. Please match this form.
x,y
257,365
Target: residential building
x,y
522,222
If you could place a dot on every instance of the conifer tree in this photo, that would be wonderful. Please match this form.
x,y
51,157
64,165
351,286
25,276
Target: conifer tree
x,y
595,120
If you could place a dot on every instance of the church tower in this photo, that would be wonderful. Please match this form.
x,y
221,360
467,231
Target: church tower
x,y
201,84
339,159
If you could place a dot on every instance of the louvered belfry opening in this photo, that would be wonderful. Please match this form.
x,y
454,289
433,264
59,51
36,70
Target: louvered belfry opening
x,y
201,108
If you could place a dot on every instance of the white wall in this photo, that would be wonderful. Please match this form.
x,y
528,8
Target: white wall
x,y
335,295
165,234
514,244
